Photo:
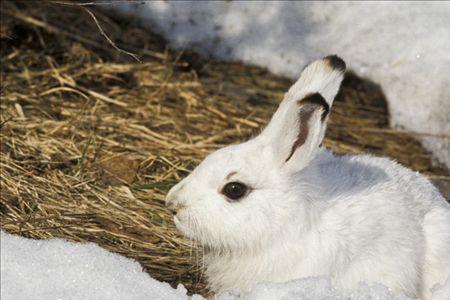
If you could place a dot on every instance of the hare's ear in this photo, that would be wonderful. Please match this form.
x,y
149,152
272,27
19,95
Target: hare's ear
x,y
298,126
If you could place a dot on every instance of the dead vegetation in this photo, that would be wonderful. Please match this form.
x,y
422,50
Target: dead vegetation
x,y
91,140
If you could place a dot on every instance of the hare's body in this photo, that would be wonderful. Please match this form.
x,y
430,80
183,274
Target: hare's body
x,y
360,228
278,208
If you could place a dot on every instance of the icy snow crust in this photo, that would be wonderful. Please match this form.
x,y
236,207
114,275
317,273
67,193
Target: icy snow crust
x,y
313,289
403,46
58,269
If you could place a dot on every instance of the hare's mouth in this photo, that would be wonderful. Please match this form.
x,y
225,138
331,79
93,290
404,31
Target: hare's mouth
x,y
186,228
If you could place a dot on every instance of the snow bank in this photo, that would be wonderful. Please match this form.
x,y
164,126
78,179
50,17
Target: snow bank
x,y
314,289
58,269
441,292
402,46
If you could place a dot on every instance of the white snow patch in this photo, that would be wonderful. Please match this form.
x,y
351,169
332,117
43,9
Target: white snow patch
x,y
319,288
58,269
441,292
403,46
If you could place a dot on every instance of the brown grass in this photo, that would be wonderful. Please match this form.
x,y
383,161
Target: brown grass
x,y
91,140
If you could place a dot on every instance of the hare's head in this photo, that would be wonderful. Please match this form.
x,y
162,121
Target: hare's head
x,y
242,195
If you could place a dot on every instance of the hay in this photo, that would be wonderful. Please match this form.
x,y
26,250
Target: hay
x,y
91,141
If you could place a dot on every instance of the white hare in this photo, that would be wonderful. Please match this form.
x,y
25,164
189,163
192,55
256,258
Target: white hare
x,y
280,207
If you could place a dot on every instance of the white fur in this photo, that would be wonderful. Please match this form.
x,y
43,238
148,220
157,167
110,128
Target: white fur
x,y
354,217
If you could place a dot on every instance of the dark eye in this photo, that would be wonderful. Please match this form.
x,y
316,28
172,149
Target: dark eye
x,y
234,190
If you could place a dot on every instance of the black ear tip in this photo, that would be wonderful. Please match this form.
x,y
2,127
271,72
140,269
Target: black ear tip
x,y
336,62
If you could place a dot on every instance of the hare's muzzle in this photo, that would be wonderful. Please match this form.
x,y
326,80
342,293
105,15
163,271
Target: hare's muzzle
x,y
173,202
174,207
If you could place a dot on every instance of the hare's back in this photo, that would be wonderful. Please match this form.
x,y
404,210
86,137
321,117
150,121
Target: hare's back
x,y
387,216
379,179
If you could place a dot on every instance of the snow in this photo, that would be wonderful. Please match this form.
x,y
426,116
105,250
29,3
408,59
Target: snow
x,y
319,288
441,292
402,46
58,269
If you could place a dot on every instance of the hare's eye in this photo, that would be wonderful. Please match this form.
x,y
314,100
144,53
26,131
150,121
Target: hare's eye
x,y
234,190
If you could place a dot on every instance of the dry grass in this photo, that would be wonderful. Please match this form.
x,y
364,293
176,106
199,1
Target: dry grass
x,y
91,140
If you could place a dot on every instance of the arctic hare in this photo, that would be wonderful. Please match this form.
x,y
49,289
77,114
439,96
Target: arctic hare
x,y
280,207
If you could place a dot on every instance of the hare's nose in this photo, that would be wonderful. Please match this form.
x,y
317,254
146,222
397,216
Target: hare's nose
x,y
172,202
173,207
